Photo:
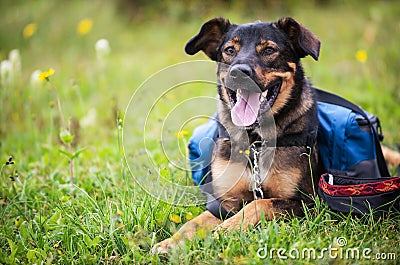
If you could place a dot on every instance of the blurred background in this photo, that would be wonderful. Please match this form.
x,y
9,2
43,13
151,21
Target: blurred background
x,y
359,57
67,72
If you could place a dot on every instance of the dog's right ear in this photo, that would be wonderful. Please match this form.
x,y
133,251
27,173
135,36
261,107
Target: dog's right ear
x,y
209,38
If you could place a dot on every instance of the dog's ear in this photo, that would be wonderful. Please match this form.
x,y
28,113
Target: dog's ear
x,y
303,40
209,38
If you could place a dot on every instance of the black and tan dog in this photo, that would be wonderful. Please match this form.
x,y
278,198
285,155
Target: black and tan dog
x,y
267,55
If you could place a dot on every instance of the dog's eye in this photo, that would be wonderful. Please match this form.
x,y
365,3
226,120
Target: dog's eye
x,y
268,51
230,50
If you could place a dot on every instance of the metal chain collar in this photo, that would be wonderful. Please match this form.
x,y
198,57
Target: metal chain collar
x,y
256,177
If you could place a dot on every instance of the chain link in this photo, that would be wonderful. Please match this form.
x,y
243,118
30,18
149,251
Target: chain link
x,y
256,181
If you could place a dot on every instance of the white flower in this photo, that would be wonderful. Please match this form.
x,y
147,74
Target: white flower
x,y
102,49
15,59
6,73
89,119
35,81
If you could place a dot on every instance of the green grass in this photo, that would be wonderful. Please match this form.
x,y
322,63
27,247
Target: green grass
x,y
105,217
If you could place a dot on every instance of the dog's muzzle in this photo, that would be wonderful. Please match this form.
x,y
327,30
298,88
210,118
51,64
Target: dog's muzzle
x,y
240,76
247,99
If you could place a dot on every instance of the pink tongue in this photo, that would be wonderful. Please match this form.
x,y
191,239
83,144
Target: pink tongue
x,y
245,111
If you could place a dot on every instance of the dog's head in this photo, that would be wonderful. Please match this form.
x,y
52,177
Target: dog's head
x,y
259,63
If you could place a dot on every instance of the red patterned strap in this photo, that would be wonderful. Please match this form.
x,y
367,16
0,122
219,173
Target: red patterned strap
x,y
371,188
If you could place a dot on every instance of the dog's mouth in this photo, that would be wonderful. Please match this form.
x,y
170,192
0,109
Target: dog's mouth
x,y
248,105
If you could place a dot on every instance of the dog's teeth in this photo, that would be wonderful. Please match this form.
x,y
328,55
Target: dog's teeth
x,y
264,94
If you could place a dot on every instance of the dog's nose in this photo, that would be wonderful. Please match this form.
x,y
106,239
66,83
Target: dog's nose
x,y
240,71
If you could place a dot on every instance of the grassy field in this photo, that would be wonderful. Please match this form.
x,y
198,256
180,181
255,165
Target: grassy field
x,y
66,194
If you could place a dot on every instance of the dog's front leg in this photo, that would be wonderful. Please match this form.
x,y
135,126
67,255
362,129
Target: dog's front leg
x,y
206,221
251,213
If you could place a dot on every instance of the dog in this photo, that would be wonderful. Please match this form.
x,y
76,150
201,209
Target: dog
x,y
269,165
267,55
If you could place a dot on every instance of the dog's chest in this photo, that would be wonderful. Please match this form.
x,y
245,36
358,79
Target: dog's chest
x,y
234,183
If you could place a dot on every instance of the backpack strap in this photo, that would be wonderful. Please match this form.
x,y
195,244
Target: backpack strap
x,y
216,208
330,98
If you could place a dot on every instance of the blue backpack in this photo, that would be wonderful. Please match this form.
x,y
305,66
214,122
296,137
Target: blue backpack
x,y
357,179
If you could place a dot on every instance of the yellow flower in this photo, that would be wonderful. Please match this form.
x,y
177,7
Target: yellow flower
x,y
181,133
46,74
29,30
175,218
189,216
247,152
84,26
361,56
17,222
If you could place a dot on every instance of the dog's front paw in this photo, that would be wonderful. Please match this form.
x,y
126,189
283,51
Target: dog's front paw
x,y
164,246
228,225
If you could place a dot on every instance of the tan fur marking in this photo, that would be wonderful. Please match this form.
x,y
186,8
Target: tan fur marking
x,y
225,96
264,44
293,66
282,183
250,215
231,182
284,95
229,176
206,221
235,43
287,85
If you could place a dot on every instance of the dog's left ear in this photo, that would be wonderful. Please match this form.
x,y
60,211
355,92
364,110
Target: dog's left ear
x,y
303,40
209,38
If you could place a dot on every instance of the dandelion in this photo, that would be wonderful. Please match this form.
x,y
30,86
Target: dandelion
x,y
246,152
84,26
6,73
361,56
17,222
29,30
189,216
65,198
181,133
46,74
103,49
57,244
175,218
